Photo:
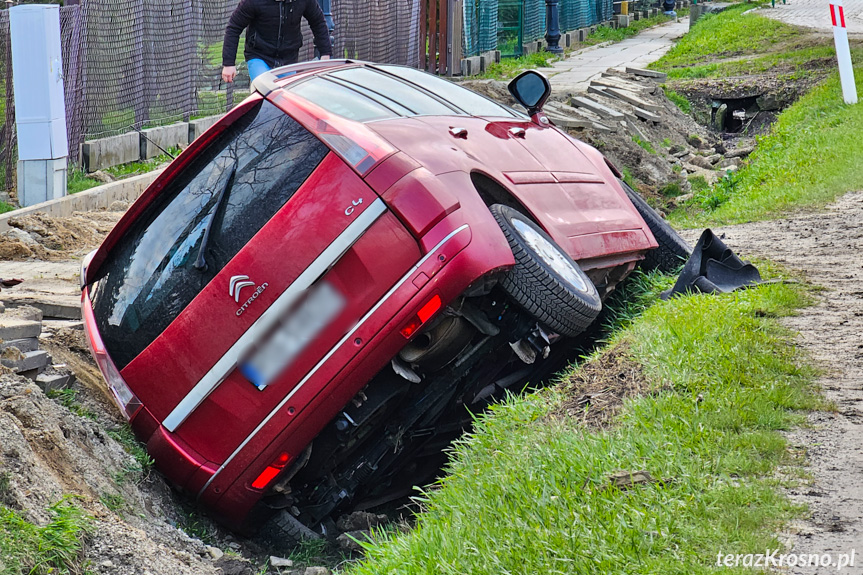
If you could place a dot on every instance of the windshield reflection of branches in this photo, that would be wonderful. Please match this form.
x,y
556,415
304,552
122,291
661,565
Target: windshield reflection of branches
x,y
273,156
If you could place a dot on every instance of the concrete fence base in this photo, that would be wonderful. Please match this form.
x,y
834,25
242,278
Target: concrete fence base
x,y
134,146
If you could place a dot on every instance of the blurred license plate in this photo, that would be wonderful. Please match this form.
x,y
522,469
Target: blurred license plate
x,y
320,307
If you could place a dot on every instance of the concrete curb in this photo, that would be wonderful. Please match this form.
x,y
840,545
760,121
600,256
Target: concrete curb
x,y
100,197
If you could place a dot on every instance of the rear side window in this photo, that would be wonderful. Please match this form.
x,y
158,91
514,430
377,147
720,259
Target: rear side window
x,y
233,188
417,101
471,102
341,100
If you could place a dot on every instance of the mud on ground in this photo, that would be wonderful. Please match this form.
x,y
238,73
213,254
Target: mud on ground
x,y
825,246
49,238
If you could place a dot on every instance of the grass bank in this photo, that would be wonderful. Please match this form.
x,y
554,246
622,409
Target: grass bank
x,y
811,154
53,548
529,491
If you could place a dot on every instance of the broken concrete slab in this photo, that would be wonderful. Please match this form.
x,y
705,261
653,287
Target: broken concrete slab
x,y
618,105
740,152
26,361
594,106
646,115
617,82
55,309
23,345
633,99
23,311
594,89
54,382
563,121
597,122
632,128
16,328
659,76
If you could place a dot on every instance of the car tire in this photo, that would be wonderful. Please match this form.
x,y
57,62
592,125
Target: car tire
x,y
545,281
289,530
673,251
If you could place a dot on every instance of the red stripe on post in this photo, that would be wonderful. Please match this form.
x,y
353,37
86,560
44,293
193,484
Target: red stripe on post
x,y
833,14
842,15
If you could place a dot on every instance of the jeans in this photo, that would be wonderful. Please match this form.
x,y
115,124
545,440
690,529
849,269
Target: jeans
x,y
256,67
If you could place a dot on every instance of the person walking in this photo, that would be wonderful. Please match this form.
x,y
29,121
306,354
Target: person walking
x,y
273,36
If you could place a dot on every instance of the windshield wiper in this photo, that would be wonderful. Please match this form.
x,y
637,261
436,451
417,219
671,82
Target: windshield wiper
x,y
200,264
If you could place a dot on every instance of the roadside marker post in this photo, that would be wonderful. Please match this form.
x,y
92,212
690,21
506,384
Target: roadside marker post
x,y
843,52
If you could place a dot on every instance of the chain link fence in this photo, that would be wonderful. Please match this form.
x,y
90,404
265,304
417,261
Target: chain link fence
x,y
132,64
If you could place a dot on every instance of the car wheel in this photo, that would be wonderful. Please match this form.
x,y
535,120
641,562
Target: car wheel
x,y
288,530
545,281
673,251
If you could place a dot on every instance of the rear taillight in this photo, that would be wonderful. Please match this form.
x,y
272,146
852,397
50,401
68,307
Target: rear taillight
x,y
127,401
425,313
272,470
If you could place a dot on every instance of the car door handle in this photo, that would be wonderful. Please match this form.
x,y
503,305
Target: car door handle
x,y
517,132
459,133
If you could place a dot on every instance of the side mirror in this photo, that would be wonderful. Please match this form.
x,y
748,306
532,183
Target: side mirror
x,y
531,89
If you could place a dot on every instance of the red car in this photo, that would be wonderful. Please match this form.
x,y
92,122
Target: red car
x,y
309,302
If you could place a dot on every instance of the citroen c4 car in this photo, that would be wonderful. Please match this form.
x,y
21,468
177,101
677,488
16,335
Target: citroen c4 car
x,y
308,303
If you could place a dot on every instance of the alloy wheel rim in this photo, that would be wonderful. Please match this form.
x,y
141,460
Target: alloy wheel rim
x,y
550,254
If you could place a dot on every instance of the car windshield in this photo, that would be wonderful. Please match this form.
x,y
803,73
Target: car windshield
x,y
233,188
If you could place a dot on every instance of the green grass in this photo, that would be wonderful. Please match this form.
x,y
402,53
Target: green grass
x,y
810,157
679,100
142,167
113,502
723,35
143,462
68,398
644,144
528,493
510,67
53,548
78,181
4,207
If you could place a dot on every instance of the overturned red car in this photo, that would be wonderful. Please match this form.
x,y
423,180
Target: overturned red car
x,y
311,300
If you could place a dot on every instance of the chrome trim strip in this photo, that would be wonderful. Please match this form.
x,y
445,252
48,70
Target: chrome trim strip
x,y
274,314
326,358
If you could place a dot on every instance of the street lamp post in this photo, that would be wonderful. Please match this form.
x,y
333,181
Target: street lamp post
x,y
552,25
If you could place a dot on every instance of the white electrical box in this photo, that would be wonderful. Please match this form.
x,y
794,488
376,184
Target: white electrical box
x,y
37,72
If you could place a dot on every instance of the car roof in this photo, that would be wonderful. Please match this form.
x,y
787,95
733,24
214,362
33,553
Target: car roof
x,y
365,92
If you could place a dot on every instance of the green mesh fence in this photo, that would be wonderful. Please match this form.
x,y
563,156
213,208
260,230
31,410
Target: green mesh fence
x,y
520,21
480,26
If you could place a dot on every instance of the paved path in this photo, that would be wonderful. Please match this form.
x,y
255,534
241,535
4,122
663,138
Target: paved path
x,y
576,71
816,14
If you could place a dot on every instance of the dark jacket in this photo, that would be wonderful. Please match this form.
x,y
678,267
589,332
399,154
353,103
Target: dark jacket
x,y
273,30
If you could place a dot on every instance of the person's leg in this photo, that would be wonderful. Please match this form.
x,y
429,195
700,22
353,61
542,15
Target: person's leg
x,y
256,67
